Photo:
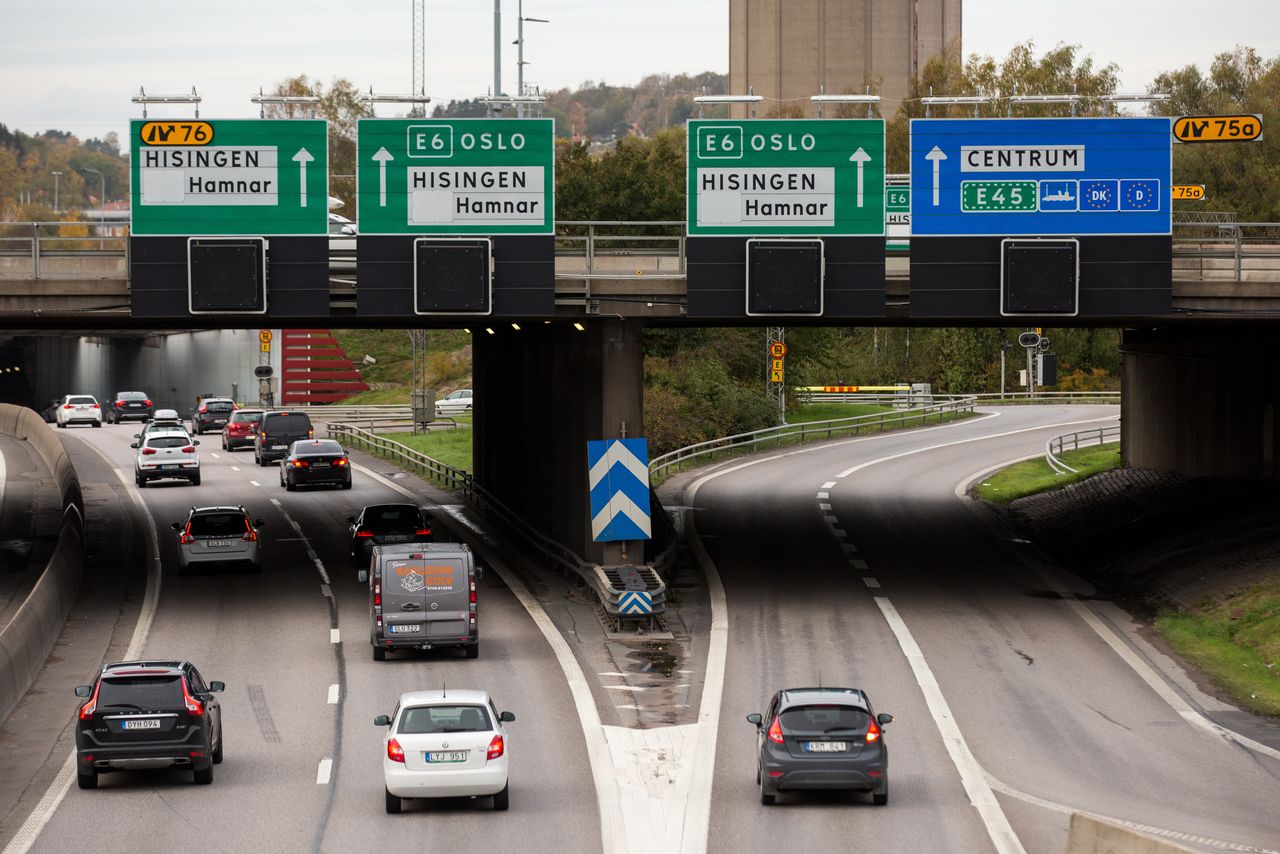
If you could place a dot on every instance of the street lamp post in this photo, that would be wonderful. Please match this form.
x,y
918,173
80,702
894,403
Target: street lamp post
x,y
520,63
56,176
102,200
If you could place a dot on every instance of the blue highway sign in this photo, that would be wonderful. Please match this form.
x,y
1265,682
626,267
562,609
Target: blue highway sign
x,y
618,478
1028,177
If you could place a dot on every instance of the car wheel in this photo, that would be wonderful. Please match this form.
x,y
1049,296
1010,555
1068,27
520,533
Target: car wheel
x,y
346,485
87,779
217,751
765,798
195,481
502,800
290,486
379,654
205,777
393,803
97,424
224,444
183,571
137,478
880,797
62,425
473,651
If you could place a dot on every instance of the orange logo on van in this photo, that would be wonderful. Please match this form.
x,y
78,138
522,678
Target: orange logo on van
x,y
434,577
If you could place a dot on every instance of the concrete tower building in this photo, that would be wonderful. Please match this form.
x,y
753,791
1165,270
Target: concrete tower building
x,y
791,49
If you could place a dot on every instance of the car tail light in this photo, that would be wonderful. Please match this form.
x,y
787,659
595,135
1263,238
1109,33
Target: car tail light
x,y
69,406
473,591
119,404
311,434
496,747
146,452
189,449
194,706
186,538
363,533
873,731
775,731
263,435
395,752
377,593
146,403
422,532
203,409
196,754
87,710
340,462
299,464
249,534
96,406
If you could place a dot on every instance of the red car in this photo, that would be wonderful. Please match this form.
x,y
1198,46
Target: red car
x,y
241,428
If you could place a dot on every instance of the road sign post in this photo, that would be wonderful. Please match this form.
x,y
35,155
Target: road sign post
x,y
488,183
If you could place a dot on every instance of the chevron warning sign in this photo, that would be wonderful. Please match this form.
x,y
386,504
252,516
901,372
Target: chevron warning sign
x,y
618,478
635,602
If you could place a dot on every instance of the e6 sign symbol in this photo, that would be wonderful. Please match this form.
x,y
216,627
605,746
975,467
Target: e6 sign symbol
x,y
430,141
719,143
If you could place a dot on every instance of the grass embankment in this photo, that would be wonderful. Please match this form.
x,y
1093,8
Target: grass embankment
x,y
391,376
451,447
1236,642
1032,476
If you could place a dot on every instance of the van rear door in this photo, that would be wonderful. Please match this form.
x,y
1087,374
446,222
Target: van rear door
x,y
426,597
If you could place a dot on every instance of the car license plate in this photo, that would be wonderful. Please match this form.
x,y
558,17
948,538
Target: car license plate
x,y
827,747
447,756
277,447
394,538
406,628
320,465
150,723
169,468
218,544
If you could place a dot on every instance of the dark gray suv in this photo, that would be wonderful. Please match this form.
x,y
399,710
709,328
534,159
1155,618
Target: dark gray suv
x,y
821,738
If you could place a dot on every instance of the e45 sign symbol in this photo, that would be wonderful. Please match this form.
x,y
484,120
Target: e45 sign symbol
x,y
176,133
1246,128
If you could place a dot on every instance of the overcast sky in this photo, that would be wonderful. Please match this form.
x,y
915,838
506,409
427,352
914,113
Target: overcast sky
x,y
73,65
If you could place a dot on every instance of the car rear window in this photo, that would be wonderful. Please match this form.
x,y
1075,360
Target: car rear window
x,y
218,525
148,692
391,516
286,422
242,416
167,441
219,406
822,719
131,395
80,399
318,448
421,720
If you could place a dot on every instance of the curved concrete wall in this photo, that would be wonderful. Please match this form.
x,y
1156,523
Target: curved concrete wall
x,y
26,641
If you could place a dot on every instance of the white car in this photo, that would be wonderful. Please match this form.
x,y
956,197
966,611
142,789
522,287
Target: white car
x,y
78,409
165,455
445,744
454,403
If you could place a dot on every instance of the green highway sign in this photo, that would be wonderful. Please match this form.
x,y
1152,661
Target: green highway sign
x,y
897,199
229,177
786,176
997,196
456,176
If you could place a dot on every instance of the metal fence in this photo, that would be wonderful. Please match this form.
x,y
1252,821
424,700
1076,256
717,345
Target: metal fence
x,y
985,399
876,422
1055,447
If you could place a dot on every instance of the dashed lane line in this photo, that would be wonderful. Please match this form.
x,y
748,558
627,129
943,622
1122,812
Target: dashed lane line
x,y
255,483
871,582
333,694
335,636
324,772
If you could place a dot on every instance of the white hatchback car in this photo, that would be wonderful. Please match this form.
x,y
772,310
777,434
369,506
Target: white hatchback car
x,y
455,403
445,744
79,409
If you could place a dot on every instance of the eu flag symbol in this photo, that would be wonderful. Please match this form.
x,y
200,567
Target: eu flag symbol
x,y
1099,195
1140,195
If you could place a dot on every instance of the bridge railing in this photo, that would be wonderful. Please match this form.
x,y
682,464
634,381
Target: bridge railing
x,y
917,398
1055,447
621,249
52,249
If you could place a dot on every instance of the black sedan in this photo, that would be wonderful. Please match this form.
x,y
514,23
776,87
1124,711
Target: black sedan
x,y
383,524
821,738
130,404
313,462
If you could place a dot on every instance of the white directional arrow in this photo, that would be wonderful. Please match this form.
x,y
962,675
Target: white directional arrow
x,y
937,157
303,157
382,156
861,158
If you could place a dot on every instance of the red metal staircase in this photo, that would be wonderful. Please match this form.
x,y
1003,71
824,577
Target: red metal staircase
x,y
315,368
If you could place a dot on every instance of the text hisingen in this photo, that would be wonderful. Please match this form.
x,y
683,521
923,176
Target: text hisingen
x,y
723,179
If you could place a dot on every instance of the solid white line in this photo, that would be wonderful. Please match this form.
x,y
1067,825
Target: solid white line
x,y
324,772
255,483
608,797
971,775
870,582
829,484
333,694
326,591
334,636
49,802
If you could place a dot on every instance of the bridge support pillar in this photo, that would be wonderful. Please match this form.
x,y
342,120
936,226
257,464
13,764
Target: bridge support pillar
x,y
1201,401
541,392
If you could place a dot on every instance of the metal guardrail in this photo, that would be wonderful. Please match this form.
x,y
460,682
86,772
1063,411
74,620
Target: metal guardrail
x,y
1055,447
606,582
983,399
811,430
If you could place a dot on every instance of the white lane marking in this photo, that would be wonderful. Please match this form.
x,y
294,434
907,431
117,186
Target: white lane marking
x,y
849,548
824,494
626,687
276,502
608,798
969,441
324,772
42,814
1145,672
334,636
215,456
326,591
333,694
235,468
971,774
829,484
610,673
255,483
870,582
831,520
839,532
822,505
1005,789
858,563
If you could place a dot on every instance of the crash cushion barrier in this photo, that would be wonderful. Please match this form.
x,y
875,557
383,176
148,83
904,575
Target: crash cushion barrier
x,y
25,643
1089,835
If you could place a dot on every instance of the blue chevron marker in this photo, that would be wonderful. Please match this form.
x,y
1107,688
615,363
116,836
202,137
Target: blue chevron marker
x,y
618,478
635,602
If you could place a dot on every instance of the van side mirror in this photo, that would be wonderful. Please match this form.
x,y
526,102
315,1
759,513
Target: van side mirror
x,y
755,718
507,717
479,572
883,719
363,576
216,687
177,526
351,520
382,720
84,690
